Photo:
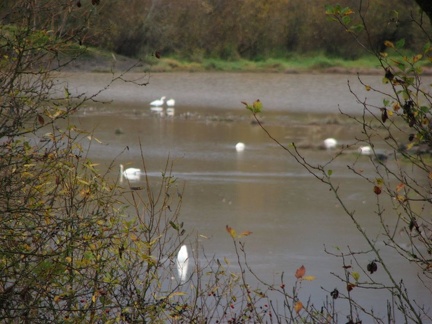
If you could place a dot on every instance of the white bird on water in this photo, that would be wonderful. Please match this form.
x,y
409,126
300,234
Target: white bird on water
x,y
170,102
365,150
131,174
330,143
158,102
182,263
240,147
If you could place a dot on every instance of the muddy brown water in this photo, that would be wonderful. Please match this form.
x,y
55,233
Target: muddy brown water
x,y
263,190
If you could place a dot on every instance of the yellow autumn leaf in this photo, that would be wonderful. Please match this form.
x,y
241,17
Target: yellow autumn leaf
x,y
417,58
57,299
68,259
94,298
309,278
298,306
257,106
231,231
355,275
388,44
367,87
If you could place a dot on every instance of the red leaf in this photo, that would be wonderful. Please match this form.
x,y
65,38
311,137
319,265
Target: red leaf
x,y
300,272
377,190
40,120
350,286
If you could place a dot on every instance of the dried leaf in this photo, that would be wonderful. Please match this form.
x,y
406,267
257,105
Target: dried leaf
x,y
245,233
388,44
300,272
377,190
384,115
396,106
334,294
400,186
372,267
350,286
231,231
40,119
298,306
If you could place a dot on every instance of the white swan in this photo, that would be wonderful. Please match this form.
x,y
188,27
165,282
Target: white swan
x,y
132,174
182,263
158,102
365,150
170,102
240,147
330,143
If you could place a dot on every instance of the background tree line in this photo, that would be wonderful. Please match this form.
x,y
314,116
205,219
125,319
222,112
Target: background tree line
x,y
251,29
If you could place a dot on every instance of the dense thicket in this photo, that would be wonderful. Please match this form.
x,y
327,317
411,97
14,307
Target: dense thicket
x,y
250,29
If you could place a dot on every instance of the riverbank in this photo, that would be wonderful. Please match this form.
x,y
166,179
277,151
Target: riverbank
x,y
95,61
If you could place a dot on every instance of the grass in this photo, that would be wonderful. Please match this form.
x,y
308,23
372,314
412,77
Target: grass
x,y
95,60
294,63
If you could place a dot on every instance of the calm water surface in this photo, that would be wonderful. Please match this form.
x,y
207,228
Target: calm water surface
x,y
292,216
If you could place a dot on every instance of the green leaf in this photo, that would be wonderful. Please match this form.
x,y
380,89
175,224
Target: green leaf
x,y
346,20
400,43
357,28
329,172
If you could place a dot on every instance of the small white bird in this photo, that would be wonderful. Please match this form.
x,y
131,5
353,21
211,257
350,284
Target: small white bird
x,y
240,147
365,150
170,102
132,174
158,102
330,143
182,263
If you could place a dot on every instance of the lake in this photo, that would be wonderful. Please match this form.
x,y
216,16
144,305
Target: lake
x,y
291,215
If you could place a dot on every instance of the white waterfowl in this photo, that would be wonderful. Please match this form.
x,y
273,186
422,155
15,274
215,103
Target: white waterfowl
x,y
330,143
170,102
182,263
130,173
240,147
365,150
158,102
